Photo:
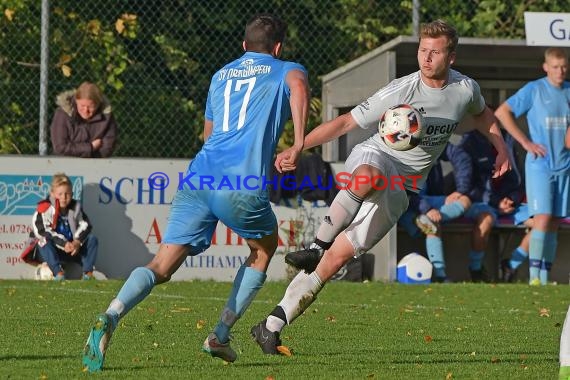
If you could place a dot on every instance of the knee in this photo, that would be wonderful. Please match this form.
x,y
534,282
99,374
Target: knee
x,y
92,240
465,201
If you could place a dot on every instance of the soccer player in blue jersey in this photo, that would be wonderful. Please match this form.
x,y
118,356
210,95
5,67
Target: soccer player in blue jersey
x,y
546,103
249,101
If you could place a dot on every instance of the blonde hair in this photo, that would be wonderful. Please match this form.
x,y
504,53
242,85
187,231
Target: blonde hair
x,y
60,179
88,90
440,28
555,52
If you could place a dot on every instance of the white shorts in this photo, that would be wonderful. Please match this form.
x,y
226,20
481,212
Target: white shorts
x,y
381,210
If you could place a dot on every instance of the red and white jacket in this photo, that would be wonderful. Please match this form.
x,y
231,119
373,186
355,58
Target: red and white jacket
x,y
45,219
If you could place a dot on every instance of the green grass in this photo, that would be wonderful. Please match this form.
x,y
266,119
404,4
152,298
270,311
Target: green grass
x,y
352,331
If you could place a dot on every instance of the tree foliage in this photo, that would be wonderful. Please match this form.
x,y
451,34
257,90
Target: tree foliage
x,y
154,58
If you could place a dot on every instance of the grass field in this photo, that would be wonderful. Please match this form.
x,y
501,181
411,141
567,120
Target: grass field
x,y
353,331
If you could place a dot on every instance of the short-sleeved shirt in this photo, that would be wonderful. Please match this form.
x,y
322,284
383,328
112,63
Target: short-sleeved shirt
x,y
248,103
547,109
442,110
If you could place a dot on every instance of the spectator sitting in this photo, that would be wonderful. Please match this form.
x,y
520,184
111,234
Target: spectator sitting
x,y
83,125
435,208
505,194
63,230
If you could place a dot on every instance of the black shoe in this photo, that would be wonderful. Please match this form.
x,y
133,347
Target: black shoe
x,y
479,275
306,259
267,340
507,272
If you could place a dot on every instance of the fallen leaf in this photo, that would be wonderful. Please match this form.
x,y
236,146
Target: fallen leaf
x,y
284,350
331,318
449,376
427,338
200,324
495,359
544,312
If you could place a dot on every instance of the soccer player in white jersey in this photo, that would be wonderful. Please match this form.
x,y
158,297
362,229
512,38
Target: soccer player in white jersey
x,y
249,102
360,215
546,103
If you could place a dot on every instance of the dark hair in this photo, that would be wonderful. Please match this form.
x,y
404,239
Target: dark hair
x,y
263,31
440,28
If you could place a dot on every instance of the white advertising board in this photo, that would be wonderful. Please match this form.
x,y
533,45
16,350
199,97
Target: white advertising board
x,y
129,217
547,29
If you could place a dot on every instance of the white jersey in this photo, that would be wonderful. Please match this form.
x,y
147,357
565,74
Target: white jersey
x,y
442,110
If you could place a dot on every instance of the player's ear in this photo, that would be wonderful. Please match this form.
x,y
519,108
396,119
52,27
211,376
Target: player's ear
x,y
452,58
277,49
244,45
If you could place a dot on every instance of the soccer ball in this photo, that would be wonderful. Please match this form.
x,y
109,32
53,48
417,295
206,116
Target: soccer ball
x,y
43,272
401,127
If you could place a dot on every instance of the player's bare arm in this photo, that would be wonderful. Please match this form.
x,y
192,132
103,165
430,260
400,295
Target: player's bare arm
x,y
330,130
299,101
323,133
486,123
505,115
567,140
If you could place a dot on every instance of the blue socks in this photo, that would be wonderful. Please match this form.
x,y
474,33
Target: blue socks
x,y
549,253
247,283
476,260
518,256
434,248
451,211
134,290
536,249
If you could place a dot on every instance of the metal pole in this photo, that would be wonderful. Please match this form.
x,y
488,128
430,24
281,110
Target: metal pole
x,y
416,17
44,61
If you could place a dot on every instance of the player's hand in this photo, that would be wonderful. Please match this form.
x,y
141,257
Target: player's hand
x,y
453,197
68,247
506,206
76,244
434,215
536,150
502,164
286,161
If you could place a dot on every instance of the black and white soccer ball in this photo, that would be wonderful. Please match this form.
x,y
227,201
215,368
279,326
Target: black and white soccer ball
x,y
401,127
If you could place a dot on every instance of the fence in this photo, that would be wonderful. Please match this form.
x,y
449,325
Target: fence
x,y
154,58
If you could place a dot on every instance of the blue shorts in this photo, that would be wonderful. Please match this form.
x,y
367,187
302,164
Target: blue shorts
x,y
547,192
194,216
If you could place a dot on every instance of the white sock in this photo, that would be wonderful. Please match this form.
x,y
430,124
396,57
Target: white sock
x,y
565,342
300,294
341,213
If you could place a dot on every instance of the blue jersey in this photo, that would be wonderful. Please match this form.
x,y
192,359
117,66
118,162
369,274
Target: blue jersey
x,y
548,114
248,103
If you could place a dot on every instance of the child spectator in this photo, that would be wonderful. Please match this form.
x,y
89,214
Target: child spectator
x,y
63,230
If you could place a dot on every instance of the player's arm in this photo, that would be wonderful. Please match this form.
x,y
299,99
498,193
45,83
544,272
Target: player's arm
x,y
504,114
330,130
208,126
567,140
486,123
298,84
